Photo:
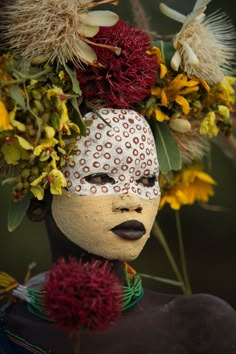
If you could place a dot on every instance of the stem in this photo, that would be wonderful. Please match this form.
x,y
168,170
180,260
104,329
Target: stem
x,y
160,236
161,280
28,77
182,253
38,120
76,343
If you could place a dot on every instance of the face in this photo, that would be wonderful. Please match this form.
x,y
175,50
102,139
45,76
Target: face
x,y
113,192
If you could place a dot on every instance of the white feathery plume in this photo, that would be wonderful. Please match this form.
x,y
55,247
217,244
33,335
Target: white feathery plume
x,y
53,30
205,45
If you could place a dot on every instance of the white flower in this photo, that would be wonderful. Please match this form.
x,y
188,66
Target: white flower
x,y
205,46
54,30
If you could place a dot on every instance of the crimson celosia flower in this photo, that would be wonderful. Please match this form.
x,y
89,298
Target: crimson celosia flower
x,y
82,295
124,79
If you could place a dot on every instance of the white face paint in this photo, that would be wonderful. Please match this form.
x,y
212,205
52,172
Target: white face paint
x,y
124,151
113,191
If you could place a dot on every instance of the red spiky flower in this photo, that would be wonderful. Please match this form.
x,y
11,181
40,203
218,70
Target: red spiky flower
x,y
82,295
123,79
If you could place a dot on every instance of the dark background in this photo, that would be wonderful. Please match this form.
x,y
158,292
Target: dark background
x,y
209,236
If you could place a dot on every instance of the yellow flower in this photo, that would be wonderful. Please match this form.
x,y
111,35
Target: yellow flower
x,y
57,181
44,145
37,191
65,125
227,88
224,111
208,125
61,75
175,198
4,118
55,91
189,186
175,90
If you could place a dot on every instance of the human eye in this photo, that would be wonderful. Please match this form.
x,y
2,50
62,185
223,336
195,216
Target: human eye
x,y
147,181
99,179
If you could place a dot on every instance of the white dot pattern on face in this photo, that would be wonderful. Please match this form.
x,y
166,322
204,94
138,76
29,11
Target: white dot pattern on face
x,y
124,149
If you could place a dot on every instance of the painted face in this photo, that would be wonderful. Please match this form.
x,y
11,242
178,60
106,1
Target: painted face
x,y
113,192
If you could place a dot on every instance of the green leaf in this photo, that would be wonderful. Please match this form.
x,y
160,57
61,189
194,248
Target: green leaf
x,y
167,50
75,82
17,211
167,149
77,117
17,96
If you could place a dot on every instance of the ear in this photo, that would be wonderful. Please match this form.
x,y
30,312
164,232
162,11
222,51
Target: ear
x,y
39,209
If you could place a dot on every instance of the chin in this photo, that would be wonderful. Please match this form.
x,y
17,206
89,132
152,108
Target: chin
x,y
124,256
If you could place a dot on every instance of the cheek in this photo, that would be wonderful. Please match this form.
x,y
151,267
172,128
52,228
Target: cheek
x,y
87,222
150,209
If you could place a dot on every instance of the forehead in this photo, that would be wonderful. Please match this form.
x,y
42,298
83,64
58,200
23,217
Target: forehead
x,y
116,138
120,144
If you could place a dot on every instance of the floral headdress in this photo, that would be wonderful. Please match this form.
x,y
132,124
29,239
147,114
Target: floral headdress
x,y
60,59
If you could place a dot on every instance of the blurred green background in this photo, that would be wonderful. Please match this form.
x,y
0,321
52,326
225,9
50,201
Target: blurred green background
x,y
209,236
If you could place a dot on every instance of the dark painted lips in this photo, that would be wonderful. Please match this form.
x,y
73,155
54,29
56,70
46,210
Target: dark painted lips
x,y
129,230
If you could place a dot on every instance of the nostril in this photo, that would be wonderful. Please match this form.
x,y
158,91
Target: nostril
x,y
138,210
123,209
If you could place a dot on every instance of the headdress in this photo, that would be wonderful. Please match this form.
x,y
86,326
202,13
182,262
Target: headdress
x,y
71,77
60,60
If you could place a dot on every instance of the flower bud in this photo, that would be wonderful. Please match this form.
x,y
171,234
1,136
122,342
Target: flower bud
x,y
180,125
25,173
36,95
39,106
49,131
224,111
55,120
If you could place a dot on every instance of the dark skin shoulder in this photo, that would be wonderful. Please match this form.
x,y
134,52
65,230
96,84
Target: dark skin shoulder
x,y
158,324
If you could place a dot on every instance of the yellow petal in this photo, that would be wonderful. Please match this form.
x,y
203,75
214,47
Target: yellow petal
x,y
156,91
160,116
4,118
204,84
183,103
57,181
164,99
74,127
38,192
203,176
44,144
39,179
18,125
24,143
163,71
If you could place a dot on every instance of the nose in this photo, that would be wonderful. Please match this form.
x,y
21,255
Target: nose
x,y
122,203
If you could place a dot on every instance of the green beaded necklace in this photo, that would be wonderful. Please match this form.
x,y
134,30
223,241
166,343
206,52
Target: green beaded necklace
x,y
132,293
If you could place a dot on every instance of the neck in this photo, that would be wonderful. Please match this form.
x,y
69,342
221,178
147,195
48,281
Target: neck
x,y
61,246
